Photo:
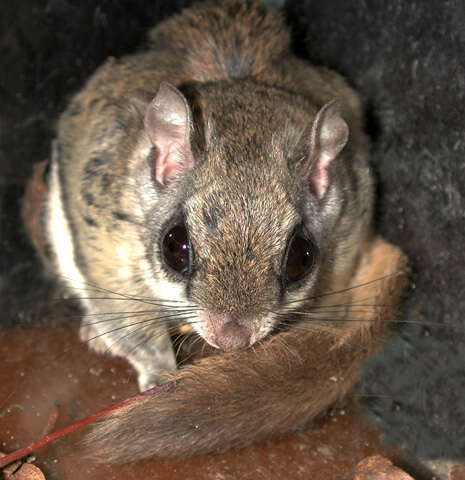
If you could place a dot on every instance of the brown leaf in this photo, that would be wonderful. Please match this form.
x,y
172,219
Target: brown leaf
x,y
379,468
22,471
457,472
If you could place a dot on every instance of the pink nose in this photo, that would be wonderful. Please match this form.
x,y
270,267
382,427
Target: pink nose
x,y
232,336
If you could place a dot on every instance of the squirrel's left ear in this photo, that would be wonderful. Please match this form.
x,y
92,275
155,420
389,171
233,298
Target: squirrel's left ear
x,y
325,137
168,124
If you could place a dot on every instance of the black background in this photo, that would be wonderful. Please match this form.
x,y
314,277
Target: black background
x,y
405,57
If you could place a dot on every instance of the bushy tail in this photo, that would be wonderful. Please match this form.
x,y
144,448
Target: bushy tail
x,y
228,39
236,399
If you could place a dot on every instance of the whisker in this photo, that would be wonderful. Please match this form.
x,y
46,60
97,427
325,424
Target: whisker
x,y
197,338
203,348
348,289
152,321
135,347
124,316
326,313
145,339
326,318
147,300
133,332
119,294
347,305
290,350
180,345
393,321
286,350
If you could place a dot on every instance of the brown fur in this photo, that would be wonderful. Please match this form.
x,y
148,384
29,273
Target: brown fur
x,y
252,106
236,399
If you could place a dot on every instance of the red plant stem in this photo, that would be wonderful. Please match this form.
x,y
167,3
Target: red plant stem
x,y
22,452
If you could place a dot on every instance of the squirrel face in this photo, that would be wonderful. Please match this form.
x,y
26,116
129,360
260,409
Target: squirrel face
x,y
239,252
243,241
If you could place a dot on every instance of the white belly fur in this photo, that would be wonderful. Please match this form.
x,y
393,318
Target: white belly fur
x,y
61,240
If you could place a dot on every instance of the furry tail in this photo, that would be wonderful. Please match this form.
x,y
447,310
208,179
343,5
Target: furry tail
x,y
228,39
237,399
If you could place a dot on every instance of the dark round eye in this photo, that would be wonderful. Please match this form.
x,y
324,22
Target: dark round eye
x,y
176,249
299,258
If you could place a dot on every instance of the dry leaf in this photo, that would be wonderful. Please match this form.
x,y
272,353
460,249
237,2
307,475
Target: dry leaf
x,y
22,471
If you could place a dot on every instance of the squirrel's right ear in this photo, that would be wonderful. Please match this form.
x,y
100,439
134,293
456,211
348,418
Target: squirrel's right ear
x,y
168,124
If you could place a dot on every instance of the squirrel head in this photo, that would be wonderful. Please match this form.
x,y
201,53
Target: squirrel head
x,y
247,180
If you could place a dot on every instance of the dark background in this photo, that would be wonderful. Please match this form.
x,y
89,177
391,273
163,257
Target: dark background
x,y
405,57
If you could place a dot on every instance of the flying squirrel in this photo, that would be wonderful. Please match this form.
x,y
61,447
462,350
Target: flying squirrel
x,y
217,181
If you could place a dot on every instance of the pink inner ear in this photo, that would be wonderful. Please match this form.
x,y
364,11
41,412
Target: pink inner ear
x,y
319,178
169,162
329,136
167,123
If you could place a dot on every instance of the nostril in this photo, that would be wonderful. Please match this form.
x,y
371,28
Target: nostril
x,y
232,336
